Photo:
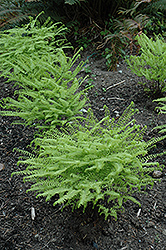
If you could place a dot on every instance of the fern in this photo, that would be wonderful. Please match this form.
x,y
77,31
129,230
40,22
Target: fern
x,y
162,108
48,87
71,2
91,164
155,6
49,90
13,12
151,63
31,40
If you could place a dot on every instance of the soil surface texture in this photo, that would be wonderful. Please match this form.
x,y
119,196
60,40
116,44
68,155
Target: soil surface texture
x,y
136,229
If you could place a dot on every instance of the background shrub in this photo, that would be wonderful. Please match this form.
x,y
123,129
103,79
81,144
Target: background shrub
x,y
162,108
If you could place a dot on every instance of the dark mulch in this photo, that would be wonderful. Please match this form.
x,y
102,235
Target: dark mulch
x,y
55,229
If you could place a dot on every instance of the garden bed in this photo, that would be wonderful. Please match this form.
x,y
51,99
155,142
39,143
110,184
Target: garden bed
x,y
136,228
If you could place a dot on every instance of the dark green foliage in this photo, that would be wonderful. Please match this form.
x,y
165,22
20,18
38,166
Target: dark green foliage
x,y
115,50
155,7
14,12
130,23
101,162
147,16
120,33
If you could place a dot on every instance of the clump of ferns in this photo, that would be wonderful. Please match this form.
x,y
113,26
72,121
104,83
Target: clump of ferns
x,y
101,163
162,110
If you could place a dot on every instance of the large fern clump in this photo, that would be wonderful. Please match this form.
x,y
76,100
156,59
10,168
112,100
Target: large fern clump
x,y
49,94
103,163
49,88
32,39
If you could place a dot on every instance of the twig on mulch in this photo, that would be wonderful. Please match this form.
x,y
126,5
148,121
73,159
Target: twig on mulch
x,y
115,85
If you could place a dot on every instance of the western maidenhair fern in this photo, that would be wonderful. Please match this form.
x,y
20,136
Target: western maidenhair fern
x,y
49,90
98,162
162,108
31,40
151,63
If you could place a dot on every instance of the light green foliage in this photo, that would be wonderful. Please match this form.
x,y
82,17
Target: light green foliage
x,y
49,90
31,40
102,162
152,62
48,94
162,108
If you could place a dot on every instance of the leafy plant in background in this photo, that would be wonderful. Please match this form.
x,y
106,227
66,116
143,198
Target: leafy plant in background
x,y
14,12
151,63
145,15
156,10
71,2
102,162
155,25
131,23
154,6
115,50
113,45
129,28
120,34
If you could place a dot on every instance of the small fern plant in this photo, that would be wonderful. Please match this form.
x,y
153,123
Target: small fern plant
x,y
151,63
103,163
49,90
162,108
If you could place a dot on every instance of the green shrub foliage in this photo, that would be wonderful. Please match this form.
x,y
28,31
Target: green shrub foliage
x,y
49,93
162,108
31,40
103,163
151,63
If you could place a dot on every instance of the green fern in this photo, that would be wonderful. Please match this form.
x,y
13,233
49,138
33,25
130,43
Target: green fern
x,y
99,161
155,6
151,63
48,87
31,40
162,108
49,90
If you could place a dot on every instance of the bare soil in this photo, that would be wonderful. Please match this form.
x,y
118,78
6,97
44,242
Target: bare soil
x,y
54,229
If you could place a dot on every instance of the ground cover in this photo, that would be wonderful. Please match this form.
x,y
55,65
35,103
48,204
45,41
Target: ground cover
x,y
136,228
